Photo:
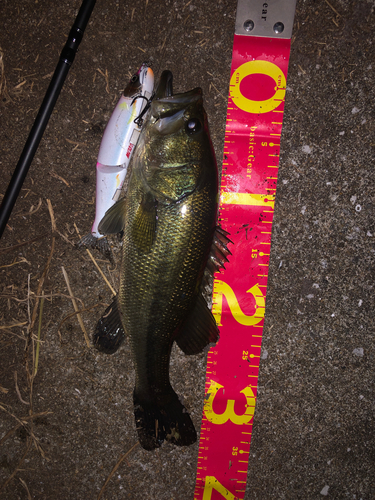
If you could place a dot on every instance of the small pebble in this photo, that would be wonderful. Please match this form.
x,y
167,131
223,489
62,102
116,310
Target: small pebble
x,y
358,352
324,491
264,354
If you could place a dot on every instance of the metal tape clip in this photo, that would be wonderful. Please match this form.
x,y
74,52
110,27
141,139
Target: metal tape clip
x,y
272,18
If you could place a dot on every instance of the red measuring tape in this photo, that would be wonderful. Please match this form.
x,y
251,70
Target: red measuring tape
x,y
260,59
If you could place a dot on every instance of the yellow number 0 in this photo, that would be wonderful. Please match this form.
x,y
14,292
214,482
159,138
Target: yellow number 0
x,y
263,68
213,484
229,413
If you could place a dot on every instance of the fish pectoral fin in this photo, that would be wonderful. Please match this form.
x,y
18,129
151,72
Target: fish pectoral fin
x,y
109,332
144,225
199,330
114,220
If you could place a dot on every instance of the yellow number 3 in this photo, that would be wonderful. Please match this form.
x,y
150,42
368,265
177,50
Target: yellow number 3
x,y
229,413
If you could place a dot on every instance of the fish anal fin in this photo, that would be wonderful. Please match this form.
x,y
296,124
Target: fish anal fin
x,y
109,332
144,224
199,330
114,220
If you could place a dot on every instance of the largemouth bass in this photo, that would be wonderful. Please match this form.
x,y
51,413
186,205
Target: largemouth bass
x,y
169,222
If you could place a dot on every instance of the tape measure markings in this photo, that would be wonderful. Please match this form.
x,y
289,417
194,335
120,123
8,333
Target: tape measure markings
x,y
246,210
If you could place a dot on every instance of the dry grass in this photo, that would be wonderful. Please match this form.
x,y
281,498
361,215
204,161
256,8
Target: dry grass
x,y
6,250
106,77
3,82
119,462
80,321
31,360
96,265
19,465
85,309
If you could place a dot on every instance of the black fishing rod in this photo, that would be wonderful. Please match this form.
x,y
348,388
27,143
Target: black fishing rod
x,y
66,60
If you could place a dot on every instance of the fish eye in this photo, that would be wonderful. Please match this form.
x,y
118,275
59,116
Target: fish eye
x,y
193,126
134,78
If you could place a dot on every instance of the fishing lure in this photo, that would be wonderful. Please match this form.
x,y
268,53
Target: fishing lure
x,y
116,148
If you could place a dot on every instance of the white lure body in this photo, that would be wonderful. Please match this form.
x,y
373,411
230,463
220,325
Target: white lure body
x,y
118,142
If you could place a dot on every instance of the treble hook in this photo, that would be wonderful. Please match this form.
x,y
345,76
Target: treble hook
x,y
139,120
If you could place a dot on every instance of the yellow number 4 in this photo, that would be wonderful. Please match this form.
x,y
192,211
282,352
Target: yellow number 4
x,y
213,484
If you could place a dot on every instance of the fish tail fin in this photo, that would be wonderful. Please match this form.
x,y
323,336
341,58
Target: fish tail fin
x,y
157,422
101,244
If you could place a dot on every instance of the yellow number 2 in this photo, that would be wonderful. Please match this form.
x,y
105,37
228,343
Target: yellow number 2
x,y
229,413
221,288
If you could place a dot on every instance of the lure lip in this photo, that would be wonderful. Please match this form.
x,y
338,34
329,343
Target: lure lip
x,y
145,71
137,83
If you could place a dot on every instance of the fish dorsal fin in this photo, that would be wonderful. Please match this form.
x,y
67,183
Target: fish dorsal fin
x,y
109,332
219,251
144,224
199,330
114,220
218,256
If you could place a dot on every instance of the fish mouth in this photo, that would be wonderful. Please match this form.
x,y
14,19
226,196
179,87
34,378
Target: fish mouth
x,y
169,111
166,103
178,101
165,87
